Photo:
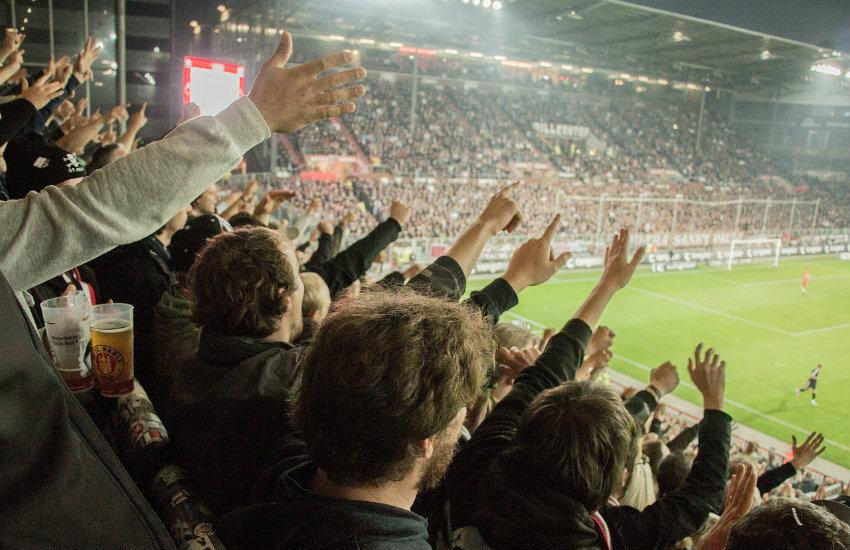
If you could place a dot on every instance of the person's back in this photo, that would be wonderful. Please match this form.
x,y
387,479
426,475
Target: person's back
x,y
229,402
380,405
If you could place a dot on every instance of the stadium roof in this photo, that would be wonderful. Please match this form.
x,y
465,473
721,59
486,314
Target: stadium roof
x,y
605,34
664,40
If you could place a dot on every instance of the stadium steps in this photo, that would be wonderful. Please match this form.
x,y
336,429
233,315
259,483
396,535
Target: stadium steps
x,y
289,147
355,145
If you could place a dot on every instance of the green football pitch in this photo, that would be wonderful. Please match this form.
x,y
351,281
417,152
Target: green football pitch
x,y
755,316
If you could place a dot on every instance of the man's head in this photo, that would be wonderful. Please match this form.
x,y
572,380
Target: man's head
x,y
672,472
105,155
317,297
789,524
189,241
206,202
579,439
385,387
246,283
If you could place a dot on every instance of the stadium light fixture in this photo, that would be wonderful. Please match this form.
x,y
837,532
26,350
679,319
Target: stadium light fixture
x,y
466,1
662,81
708,88
568,67
847,75
476,2
587,70
193,23
476,54
156,49
499,57
450,51
396,45
824,68
545,64
497,5
366,41
221,8
335,37
486,3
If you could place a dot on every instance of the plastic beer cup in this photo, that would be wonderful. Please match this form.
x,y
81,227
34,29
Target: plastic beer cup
x,y
112,348
66,322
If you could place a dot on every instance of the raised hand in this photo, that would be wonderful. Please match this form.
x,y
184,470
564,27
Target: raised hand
x,y
82,66
63,70
739,502
808,451
534,262
618,269
117,113
400,212
593,365
603,338
325,227
501,213
664,378
290,98
271,202
513,361
708,373
12,41
109,136
41,91
138,119
16,59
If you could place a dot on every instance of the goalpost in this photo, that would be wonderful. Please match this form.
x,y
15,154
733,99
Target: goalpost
x,y
754,249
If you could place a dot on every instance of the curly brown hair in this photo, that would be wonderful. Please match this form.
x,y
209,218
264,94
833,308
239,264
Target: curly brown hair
x,y
385,371
239,283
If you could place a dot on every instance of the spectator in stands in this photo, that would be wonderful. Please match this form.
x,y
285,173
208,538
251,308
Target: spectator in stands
x,y
673,470
174,334
366,464
317,298
138,274
50,444
789,523
229,403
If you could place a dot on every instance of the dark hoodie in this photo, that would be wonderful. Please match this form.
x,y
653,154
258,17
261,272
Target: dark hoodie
x,y
228,409
300,519
489,499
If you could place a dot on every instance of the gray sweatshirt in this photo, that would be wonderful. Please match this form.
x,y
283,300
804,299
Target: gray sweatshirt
x,y
47,233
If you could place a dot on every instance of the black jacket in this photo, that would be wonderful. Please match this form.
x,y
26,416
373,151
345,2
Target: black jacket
x,y
14,115
353,262
137,274
775,477
483,492
324,252
683,511
61,486
302,520
228,409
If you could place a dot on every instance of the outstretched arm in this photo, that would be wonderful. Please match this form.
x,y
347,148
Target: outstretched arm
x,y
135,195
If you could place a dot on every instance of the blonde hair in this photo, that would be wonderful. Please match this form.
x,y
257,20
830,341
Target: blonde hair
x,y
640,492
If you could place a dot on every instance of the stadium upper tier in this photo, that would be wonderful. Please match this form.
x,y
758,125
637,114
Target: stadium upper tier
x,y
498,133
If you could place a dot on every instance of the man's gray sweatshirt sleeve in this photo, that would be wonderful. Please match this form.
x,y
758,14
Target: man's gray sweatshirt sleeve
x,y
47,233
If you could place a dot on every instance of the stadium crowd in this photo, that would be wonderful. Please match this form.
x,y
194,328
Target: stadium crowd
x,y
287,400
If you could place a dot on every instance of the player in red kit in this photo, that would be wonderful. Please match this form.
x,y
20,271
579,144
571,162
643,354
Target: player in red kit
x,y
805,284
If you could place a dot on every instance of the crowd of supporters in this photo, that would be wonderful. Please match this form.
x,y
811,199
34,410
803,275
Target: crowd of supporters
x,y
286,398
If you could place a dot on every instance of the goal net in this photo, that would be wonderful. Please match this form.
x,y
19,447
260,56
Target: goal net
x,y
753,250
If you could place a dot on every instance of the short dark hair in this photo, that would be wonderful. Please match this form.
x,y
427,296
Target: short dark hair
x,y
789,524
577,438
385,371
239,283
101,157
672,472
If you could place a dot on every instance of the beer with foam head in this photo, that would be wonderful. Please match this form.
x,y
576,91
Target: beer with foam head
x,y
112,348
